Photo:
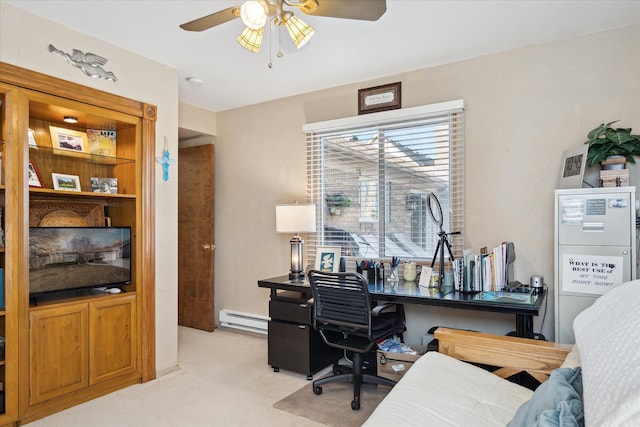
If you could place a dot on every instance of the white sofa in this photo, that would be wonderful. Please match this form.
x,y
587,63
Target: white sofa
x,y
441,389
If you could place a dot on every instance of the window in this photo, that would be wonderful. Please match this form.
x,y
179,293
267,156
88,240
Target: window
x,y
369,177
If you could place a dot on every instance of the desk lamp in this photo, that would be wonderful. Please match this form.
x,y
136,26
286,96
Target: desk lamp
x,y
296,219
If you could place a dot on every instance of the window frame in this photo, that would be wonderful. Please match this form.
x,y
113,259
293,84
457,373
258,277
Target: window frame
x,y
315,131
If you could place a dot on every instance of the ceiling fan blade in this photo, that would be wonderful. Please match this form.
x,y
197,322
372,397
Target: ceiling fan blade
x,y
212,20
365,10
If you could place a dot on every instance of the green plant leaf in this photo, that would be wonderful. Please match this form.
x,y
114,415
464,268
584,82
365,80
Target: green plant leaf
x,y
597,132
605,141
619,136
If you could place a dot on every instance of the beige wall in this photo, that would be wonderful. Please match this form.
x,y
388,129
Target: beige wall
x,y
524,108
196,119
24,39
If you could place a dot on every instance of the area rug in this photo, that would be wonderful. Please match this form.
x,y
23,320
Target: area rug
x,y
333,406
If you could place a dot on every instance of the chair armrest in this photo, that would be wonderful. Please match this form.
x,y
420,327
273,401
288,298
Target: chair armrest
x,y
511,354
379,309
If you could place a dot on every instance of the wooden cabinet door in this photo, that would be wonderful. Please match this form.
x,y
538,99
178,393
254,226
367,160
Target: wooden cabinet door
x,y
59,351
113,338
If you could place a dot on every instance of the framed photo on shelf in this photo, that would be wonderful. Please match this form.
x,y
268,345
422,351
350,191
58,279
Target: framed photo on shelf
x,y
69,142
102,142
65,182
379,98
32,138
34,176
574,163
328,258
104,185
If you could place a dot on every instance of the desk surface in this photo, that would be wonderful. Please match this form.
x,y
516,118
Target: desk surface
x,y
411,293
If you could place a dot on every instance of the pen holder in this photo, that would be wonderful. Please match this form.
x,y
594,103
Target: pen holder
x,y
372,275
393,276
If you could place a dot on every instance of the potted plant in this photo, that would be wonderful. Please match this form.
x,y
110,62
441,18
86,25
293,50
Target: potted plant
x,y
337,201
605,142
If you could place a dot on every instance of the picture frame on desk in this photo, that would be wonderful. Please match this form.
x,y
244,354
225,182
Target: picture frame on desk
x,y
328,258
574,163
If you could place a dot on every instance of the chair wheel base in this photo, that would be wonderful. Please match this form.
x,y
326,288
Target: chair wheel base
x,y
355,404
317,389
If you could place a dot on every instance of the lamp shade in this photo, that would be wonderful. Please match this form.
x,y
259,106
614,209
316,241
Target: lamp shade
x,y
295,218
299,31
251,39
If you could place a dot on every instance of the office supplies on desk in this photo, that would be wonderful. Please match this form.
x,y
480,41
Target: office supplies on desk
x,y
426,277
501,296
409,271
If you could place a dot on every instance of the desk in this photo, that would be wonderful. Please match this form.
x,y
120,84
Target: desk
x,y
410,293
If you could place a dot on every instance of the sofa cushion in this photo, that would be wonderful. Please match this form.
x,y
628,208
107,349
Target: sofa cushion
x,y
556,402
442,391
608,335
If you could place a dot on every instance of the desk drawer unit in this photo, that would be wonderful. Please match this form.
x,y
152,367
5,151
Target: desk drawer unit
x,y
293,343
291,312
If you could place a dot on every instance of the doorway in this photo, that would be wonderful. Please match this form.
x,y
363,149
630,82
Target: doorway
x,y
196,243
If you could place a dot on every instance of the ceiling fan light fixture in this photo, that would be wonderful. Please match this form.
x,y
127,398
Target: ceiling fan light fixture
x,y
251,39
253,14
299,31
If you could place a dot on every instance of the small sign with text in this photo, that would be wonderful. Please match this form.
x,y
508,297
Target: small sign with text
x,y
591,274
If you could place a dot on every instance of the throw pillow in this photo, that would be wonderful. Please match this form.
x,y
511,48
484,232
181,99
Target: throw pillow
x,y
608,334
556,402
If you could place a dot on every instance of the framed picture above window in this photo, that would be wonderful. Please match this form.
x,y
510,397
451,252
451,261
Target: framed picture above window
x,y
379,98
328,258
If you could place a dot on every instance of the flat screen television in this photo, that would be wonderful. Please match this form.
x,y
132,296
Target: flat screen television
x,y
75,258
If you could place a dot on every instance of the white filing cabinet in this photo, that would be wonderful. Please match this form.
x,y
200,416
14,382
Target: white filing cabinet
x,y
595,249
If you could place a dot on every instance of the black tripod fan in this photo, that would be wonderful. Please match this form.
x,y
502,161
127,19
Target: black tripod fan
x,y
435,212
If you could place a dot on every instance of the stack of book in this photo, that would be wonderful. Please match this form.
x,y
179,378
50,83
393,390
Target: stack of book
x,y
486,271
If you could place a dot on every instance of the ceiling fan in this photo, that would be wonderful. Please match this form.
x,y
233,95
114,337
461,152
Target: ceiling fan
x,y
255,15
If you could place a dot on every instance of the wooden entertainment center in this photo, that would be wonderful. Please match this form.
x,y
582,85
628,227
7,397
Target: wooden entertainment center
x,y
60,352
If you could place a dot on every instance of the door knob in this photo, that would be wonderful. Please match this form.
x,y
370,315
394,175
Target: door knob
x,y
209,247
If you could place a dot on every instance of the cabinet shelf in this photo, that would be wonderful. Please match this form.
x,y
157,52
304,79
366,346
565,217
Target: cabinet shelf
x,y
86,157
67,194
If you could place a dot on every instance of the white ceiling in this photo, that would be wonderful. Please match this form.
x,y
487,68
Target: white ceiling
x,y
412,34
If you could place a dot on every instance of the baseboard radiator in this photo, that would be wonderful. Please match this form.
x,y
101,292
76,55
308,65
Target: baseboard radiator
x,y
244,321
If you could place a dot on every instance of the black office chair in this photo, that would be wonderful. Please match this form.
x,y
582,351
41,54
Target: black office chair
x,y
343,316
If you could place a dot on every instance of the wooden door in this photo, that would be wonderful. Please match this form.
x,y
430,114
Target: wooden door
x,y
58,342
196,237
112,328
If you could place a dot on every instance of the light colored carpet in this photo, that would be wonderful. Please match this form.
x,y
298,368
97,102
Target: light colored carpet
x,y
333,406
223,380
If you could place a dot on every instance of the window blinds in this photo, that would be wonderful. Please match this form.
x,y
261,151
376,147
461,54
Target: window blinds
x,y
369,177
